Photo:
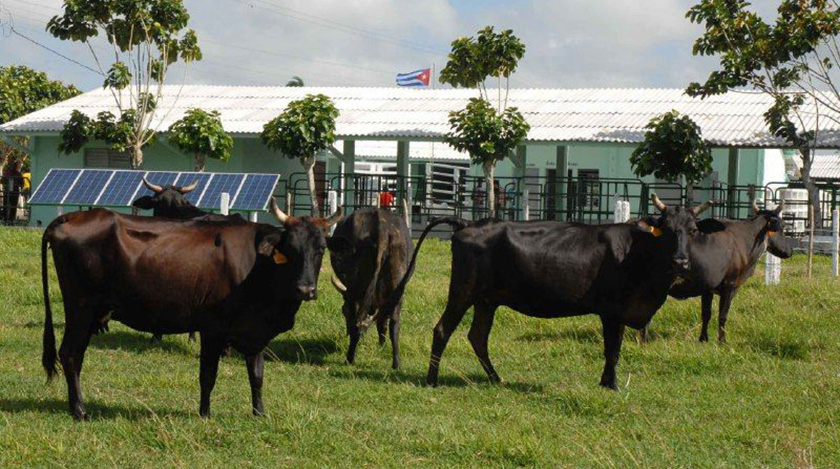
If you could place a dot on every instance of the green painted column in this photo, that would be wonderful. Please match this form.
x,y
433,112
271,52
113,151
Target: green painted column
x,y
732,181
520,162
403,173
349,160
561,165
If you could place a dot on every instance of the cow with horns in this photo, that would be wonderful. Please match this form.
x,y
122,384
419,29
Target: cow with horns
x,y
723,256
369,252
236,282
546,269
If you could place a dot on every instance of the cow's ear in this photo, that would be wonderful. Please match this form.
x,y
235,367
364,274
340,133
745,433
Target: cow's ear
x,y
648,227
145,203
339,244
270,244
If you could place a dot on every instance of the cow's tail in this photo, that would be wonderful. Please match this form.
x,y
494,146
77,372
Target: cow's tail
x,y
381,247
48,356
456,223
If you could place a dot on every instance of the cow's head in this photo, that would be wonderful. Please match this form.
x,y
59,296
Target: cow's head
x,y
774,229
168,201
675,227
298,247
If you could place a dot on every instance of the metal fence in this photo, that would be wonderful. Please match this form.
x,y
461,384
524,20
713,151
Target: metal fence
x,y
14,194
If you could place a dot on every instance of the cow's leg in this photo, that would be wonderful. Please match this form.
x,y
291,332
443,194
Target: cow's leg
x,y
726,296
394,329
211,350
643,335
349,310
78,328
192,337
613,335
706,314
156,338
255,364
478,335
381,327
455,309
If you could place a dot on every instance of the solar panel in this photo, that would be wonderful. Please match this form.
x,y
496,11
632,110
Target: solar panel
x,y
88,187
221,183
120,191
158,178
185,179
255,192
55,186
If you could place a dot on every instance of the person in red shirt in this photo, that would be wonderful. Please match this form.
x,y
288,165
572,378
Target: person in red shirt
x,y
386,199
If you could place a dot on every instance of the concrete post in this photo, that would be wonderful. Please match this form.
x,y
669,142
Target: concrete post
x,y
622,210
562,164
254,217
732,181
224,207
520,162
403,170
772,264
349,155
835,242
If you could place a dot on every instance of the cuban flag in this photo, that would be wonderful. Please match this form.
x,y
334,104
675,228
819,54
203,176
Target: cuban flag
x,y
415,78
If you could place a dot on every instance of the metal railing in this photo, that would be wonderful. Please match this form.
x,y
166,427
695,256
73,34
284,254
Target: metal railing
x,y
14,209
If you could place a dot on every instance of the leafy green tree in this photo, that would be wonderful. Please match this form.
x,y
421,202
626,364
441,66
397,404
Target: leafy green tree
x,y
23,91
673,147
296,81
488,133
791,59
306,127
202,134
147,36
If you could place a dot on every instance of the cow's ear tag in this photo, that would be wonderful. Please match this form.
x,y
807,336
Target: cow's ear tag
x,y
771,233
279,258
655,231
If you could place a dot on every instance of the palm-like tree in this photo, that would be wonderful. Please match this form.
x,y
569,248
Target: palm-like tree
x,y
295,81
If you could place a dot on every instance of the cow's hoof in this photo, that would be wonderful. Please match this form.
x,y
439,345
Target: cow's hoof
x,y
259,412
495,379
611,386
704,338
350,359
80,415
432,383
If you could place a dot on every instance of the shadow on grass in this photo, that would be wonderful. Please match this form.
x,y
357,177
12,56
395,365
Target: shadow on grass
x,y
444,381
138,342
786,349
309,351
96,410
578,335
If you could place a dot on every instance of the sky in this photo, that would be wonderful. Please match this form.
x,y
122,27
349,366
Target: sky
x,y
570,43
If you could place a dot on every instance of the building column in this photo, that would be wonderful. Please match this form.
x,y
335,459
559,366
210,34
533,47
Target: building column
x,y
520,161
349,173
403,173
561,164
732,181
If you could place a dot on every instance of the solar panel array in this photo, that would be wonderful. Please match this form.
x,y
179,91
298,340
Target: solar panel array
x,y
119,188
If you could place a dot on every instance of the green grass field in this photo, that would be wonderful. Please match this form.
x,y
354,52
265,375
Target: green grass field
x,y
768,398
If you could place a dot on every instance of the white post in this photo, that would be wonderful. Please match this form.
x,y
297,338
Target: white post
x,y
622,210
224,208
254,216
835,243
772,264
332,200
526,209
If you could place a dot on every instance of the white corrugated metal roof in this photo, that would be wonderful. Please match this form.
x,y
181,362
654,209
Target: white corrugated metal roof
x,y
438,151
826,167
555,115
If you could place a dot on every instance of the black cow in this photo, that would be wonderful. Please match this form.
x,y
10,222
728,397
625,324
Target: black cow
x,y
369,251
548,269
723,256
236,282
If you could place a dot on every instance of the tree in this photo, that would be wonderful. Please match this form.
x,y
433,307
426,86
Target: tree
x,y
792,60
147,36
23,91
673,147
202,134
488,133
296,81
305,127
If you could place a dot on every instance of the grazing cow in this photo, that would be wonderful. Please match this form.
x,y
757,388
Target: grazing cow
x,y
369,251
723,256
236,282
549,269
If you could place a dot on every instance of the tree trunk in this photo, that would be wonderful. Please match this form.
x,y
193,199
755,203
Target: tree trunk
x,y
689,194
199,162
489,172
309,166
136,157
810,186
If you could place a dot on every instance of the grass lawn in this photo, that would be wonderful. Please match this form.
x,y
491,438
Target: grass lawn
x,y
768,398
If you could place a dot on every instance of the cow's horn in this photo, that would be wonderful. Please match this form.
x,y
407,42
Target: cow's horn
x,y
187,189
335,217
278,214
755,207
659,204
338,285
702,207
780,207
152,187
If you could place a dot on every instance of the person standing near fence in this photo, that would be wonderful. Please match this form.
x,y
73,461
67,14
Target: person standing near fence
x,y
12,185
386,199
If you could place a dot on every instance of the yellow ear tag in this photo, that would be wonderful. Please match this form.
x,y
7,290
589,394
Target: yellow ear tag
x,y
771,233
279,258
655,231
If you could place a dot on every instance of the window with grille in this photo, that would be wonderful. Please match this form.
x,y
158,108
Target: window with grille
x,y
107,158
